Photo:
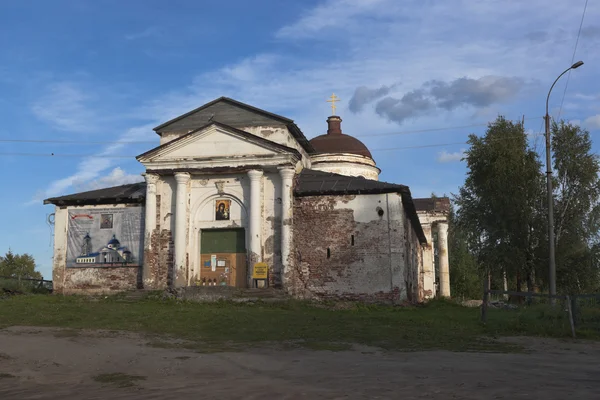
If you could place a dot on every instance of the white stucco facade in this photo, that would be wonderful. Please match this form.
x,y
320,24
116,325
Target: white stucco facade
x,y
363,244
435,221
256,177
346,164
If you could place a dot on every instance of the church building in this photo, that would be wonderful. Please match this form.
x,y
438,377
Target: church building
x,y
238,196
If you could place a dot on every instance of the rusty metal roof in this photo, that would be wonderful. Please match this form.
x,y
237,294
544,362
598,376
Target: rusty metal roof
x,y
340,143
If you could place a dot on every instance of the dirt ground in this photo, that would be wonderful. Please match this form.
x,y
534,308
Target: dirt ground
x,y
41,363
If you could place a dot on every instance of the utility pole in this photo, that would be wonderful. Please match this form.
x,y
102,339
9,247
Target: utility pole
x,y
551,244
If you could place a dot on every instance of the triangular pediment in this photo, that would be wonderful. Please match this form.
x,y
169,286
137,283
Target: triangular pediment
x,y
215,141
224,110
232,113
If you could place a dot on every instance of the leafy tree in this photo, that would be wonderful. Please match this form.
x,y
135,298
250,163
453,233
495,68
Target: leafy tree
x,y
577,208
499,204
18,266
465,278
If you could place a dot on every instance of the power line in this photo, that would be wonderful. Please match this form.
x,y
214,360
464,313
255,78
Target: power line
x,y
61,155
154,142
433,129
572,59
341,151
72,141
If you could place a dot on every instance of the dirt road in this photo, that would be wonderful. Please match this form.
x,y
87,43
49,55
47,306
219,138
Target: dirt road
x,y
39,363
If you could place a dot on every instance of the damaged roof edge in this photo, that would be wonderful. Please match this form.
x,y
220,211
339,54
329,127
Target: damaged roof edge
x,y
124,194
411,211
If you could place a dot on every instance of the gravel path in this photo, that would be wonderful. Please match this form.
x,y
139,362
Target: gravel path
x,y
41,363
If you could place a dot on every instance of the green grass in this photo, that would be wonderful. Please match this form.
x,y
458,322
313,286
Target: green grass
x,y
227,326
118,379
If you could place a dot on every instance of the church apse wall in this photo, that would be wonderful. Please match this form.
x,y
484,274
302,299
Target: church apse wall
x,y
352,247
98,248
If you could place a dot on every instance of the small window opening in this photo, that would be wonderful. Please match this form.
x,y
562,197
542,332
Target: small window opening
x,y
328,253
352,240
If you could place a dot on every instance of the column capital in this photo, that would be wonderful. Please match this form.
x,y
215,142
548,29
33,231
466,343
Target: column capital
x,y
151,179
182,177
287,173
442,226
255,174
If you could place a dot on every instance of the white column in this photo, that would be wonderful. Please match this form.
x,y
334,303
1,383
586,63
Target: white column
x,y
182,178
150,226
287,176
428,267
255,219
443,259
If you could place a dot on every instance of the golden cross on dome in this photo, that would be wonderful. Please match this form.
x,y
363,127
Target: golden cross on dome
x,y
332,100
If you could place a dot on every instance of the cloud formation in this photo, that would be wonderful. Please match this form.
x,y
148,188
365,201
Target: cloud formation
x,y
363,95
331,14
445,157
592,122
437,94
90,169
116,177
64,106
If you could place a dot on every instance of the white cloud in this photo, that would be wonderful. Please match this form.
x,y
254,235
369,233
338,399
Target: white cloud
x,y
64,106
592,122
331,14
115,178
446,157
366,44
89,170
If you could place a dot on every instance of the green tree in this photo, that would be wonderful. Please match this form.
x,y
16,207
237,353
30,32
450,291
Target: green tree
x,y
465,278
18,266
499,204
577,208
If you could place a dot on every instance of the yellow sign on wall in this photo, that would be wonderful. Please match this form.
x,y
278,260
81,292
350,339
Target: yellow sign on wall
x,y
260,271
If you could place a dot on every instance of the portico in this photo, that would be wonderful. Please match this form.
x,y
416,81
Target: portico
x,y
433,215
246,186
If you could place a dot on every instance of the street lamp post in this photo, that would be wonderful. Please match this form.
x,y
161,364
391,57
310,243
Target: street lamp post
x,y
549,187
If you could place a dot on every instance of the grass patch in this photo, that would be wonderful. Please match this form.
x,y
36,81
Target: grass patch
x,y
4,375
229,326
118,379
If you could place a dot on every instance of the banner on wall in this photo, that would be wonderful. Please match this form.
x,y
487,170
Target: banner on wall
x,y
105,237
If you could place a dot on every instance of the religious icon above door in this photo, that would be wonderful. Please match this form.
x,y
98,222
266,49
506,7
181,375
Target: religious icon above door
x,y
222,210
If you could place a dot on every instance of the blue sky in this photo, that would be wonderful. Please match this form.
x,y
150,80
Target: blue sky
x,y
109,71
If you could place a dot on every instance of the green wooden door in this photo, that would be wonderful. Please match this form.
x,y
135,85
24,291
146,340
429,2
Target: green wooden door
x,y
223,257
222,241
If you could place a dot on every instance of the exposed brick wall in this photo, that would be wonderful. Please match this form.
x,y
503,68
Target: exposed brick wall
x,y
101,279
160,256
373,269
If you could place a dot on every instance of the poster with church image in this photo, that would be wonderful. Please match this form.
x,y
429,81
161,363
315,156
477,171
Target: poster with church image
x,y
105,237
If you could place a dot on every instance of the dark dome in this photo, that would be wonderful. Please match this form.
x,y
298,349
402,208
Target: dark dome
x,y
339,143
